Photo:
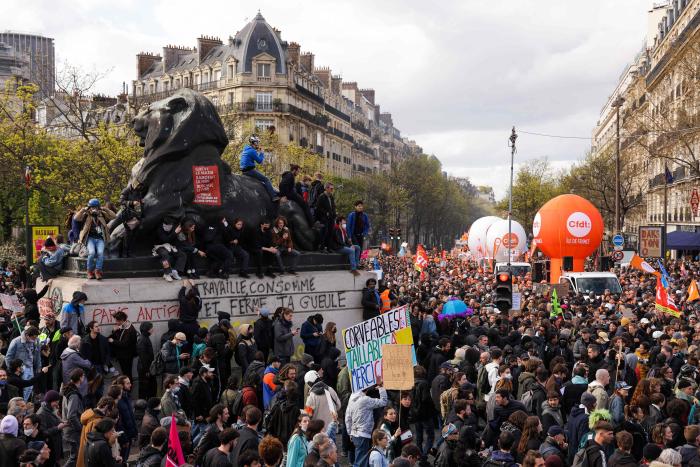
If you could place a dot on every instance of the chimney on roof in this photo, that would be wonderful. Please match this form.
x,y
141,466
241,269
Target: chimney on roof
x,y
307,61
205,44
368,94
293,53
144,61
172,54
335,84
324,75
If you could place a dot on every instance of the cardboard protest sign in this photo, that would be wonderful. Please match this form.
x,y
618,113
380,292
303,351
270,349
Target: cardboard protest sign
x,y
363,344
11,302
397,366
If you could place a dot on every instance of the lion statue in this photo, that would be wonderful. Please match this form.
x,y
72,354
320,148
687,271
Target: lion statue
x,y
179,133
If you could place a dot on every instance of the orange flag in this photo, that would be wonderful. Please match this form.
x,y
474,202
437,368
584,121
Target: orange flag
x,y
693,293
638,263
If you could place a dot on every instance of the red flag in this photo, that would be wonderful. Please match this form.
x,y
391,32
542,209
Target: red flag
x,y
174,458
421,258
665,303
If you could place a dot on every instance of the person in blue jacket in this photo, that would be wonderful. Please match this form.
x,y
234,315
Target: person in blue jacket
x,y
251,156
358,224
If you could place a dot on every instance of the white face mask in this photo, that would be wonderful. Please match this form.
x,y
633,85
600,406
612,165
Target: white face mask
x,y
29,432
167,227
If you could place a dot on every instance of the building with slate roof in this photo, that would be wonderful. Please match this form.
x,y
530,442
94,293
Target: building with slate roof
x,y
270,82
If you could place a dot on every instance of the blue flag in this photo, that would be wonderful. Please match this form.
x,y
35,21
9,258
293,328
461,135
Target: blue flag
x,y
668,175
664,275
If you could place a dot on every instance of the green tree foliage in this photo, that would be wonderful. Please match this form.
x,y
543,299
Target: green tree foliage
x,y
536,182
416,196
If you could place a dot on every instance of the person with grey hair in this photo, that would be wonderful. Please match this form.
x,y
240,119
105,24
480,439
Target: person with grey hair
x,y
328,454
17,407
71,359
597,388
671,457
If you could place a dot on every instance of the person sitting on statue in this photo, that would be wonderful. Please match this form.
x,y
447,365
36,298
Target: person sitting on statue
x,y
288,190
50,262
94,235
220,258
172,259
127,220
340,243
187,242
233,238
252,155
264,250
282,239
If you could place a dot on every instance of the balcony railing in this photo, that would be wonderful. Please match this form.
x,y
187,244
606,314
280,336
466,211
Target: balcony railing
x,y
361,128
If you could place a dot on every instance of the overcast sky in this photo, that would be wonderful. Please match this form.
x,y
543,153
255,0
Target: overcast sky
x,y
455,74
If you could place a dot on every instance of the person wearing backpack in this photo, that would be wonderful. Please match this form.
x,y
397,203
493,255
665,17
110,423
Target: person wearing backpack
x,y
593,454
577,425
502,457
377,455
152,455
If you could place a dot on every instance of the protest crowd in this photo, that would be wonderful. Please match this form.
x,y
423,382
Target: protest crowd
x,y
599,380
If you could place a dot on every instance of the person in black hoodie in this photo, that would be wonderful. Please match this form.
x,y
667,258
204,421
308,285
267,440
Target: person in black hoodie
x,y
220,257
144,350
233,239
30,299
370,300
173,259
99,445
284,413
123,342
423,411
248,435
202,394
152,455
288,190
263,332
190,305
264,251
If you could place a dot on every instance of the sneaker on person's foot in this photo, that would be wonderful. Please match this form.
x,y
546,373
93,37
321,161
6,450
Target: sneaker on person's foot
x,y
90,275
354,272
98,274
270,274
259,275
243,275
292,272
168,277
174,274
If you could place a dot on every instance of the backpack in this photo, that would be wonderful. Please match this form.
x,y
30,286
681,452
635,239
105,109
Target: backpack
x,y
581,458
484,384
493,463
149,460
270,415
527,400
237,405
157,365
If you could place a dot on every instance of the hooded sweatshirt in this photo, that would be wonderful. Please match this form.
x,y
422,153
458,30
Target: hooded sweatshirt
x,y
359,416
322,402
72,312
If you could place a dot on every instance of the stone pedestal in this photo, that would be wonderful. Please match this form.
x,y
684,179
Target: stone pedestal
x,y
335,294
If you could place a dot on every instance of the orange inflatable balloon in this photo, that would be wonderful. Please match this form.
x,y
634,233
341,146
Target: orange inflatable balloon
x,y
567,225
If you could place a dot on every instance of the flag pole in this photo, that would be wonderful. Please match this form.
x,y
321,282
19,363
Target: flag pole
x,y
663,239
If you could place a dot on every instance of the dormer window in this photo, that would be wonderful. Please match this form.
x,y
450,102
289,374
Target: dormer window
x,y
264,70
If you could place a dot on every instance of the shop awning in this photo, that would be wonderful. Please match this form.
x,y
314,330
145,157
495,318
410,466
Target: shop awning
x,y
679,240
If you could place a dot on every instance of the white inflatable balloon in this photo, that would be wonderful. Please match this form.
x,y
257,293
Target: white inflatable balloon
x,y
497,240
477,236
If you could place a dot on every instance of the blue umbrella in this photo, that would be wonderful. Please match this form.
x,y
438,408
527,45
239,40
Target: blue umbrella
x,y
453,308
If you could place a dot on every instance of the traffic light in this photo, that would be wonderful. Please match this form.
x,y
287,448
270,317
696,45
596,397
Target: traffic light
x,y
391,232
504,291
398,233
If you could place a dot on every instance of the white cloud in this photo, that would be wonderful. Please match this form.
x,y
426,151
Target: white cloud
x,y
456,74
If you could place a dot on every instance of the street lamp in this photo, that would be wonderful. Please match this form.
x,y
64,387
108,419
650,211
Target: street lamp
x,y
617,103
27,234
512,139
